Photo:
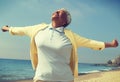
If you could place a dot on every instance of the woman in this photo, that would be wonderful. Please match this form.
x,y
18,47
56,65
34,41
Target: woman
x,y
54,48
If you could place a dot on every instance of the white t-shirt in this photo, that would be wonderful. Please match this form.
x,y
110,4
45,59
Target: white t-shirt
x,y
54,51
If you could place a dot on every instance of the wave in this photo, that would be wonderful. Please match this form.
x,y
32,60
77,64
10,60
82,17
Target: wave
x,y
93,71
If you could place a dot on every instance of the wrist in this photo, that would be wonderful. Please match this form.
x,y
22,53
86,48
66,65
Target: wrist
x,y
107,45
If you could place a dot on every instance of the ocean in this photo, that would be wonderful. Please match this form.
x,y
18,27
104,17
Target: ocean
x,y
12,69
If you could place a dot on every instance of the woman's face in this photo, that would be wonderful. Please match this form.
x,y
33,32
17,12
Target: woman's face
x,y
60,17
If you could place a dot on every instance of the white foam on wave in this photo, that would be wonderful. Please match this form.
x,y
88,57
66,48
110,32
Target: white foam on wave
x,y
93,71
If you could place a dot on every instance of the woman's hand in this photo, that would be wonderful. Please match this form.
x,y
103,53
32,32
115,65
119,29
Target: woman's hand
x,y
5,28
114,43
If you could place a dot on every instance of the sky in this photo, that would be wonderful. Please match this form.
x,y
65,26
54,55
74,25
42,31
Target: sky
x,y
93,19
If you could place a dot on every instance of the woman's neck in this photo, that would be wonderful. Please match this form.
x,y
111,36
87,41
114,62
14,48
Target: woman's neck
x,y
55,25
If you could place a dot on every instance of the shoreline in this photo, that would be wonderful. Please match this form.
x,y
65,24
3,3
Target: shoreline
x,y
103,76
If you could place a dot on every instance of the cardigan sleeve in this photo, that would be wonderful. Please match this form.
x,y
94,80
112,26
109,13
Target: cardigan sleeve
x,y
19,31
85,42
22,30
28,30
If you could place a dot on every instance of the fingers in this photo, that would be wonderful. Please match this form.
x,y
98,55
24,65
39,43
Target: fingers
x,y
115,43
5,28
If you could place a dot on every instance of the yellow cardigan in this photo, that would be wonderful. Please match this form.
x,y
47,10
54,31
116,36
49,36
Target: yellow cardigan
x,y
76,40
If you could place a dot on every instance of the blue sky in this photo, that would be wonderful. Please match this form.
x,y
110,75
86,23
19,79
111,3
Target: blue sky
x,y
94,19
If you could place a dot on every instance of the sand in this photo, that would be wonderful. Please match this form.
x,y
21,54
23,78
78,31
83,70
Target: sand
x,y
109,76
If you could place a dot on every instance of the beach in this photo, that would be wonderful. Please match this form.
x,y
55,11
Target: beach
x,y
21,71
107,76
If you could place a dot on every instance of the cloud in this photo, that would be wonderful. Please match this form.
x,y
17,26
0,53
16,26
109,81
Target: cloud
x,y
82,10
86,8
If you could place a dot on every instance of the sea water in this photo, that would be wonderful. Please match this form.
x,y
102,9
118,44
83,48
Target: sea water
x,y
11,69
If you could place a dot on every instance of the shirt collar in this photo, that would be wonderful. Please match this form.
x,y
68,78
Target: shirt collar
x,y
59,29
